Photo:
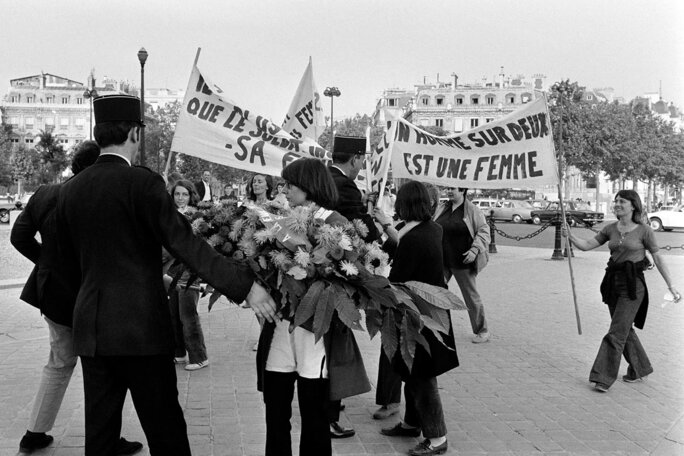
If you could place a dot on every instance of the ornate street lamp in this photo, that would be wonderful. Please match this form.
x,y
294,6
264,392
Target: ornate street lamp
x,y
142,57
331,92
91,93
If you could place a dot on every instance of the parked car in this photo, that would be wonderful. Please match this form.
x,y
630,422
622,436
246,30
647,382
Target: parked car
x,y
667,220
7,206
515,211
486,204
575,212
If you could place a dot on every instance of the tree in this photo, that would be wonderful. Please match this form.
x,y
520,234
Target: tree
x,y
5,155
24,165
53,160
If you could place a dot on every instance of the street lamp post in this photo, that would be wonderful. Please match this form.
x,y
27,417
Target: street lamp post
x,y
331,92
90,94
142,57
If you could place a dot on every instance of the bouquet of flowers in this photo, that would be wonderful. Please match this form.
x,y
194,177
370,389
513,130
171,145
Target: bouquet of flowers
x,y
315,270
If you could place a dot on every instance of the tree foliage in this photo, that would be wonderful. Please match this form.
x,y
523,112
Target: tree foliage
x,y
52,159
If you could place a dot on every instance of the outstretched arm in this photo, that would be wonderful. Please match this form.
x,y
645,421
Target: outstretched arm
x,y
665,272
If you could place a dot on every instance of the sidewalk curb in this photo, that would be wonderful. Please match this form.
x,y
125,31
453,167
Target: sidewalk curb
x,y
12,283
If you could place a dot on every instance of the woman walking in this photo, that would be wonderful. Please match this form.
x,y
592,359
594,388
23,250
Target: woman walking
x,y
418,256
183,300
466,252
624,290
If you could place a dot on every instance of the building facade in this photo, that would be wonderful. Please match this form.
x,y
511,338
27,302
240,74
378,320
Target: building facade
x,y
46,102
458,107
158,98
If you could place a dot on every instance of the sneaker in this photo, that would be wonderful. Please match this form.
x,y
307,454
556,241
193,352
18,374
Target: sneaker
x,y
480,338
180,360
400,431
600,387
386,411
425,448
196,366
632,379
32,441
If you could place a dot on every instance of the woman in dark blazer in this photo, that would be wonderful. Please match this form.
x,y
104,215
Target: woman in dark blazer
x,y
418,256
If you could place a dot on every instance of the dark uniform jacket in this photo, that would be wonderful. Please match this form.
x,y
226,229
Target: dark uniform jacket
x,y
49,286
117,218
350,203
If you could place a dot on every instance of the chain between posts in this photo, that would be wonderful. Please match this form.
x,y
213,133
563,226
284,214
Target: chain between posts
x,y
550,223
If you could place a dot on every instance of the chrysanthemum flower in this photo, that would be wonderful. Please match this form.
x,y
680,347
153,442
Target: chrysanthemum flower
x,y
360,227
215,240
302,258
348,268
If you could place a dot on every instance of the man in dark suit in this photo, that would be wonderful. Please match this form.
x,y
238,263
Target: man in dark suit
x,y
52,291
115,218
203,187
348,155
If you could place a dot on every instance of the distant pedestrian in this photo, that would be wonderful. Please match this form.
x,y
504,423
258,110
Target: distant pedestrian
x,y
466,252
53,291
203,187
624,290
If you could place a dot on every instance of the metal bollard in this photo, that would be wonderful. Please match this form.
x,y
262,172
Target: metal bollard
x,y
492,242
557,251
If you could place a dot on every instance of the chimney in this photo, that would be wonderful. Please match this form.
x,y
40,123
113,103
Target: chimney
x,y
424,79
501,78
455,79
437,78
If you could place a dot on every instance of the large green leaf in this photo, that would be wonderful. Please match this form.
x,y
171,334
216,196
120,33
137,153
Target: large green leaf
x,y
407,345
437,296
307,305
374,321
324,312
346,308
390,333
434,325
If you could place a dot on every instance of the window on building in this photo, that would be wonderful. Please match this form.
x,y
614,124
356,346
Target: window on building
x,y
439,123
389,124
14,140
425,101
489,119
28,140
50,99
475,99
30,98
526,97
440,101
80,124
491,99
510,98
63,124
590,97
391,102
474,123
458,124
14,121
63,141
79,100
65,100
14,98
28,122
458,100
49,121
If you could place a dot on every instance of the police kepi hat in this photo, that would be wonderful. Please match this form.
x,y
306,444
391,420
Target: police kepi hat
x,y
345,147
116,108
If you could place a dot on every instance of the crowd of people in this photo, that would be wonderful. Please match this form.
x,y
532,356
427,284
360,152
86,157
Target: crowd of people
x,y
114,235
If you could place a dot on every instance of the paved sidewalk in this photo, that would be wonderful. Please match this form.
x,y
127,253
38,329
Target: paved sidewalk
x,y
524,393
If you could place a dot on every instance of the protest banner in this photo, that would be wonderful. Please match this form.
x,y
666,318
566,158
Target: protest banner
x,y
514,151
216,129
305,118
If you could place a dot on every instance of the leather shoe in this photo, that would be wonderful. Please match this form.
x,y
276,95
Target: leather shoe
x,y
124,447
32,441
400,431
339,432
426,448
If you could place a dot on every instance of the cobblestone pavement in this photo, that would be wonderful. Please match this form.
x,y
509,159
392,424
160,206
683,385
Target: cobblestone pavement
x,y
524,393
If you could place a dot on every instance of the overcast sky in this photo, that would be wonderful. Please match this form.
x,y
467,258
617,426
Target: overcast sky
x,y
256,51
